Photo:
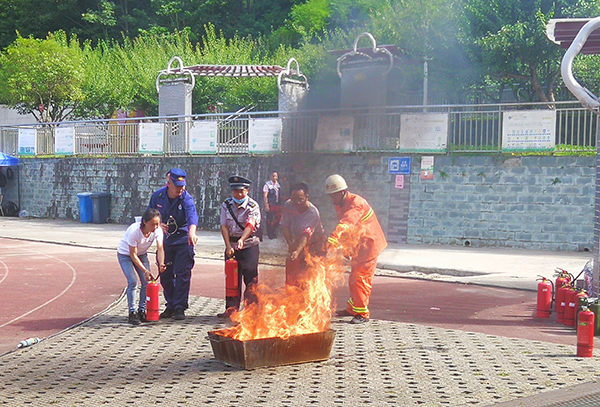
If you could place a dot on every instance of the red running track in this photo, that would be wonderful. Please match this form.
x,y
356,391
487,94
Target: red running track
x,y
46,288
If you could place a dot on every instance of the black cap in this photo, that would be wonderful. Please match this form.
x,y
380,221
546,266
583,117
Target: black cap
x,y
239,182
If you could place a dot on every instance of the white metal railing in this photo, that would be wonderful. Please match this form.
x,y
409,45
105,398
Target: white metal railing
x,y
471,128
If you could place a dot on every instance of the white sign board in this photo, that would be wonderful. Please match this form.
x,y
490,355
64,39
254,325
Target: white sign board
x,y
63,140
335,133
203,137
528,130
152,137
264,136
27,141
424,133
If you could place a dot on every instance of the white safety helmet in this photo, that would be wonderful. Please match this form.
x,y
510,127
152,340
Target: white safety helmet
x,y
335,183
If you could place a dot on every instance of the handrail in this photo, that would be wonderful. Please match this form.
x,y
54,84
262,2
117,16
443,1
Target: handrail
x,y
584,95
237,114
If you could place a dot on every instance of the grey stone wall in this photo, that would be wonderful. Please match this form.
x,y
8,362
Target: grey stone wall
x,y
500,201
520,202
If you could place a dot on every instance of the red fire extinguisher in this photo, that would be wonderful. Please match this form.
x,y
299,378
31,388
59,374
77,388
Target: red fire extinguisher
x,y
152,300
572,301
578,296
585,333
560,303
231,278
570,307
292,271
562,280
544,298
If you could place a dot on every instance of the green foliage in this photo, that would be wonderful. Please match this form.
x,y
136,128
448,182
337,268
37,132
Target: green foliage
x,y
310,18
235,93
104,17
43,73
507,40
426,30
470,46
94,81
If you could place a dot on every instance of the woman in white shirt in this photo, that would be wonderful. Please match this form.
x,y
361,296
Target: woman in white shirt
x,y
132,253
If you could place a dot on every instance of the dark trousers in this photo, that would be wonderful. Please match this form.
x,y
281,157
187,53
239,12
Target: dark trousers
x,y
273,219
175,280
248,273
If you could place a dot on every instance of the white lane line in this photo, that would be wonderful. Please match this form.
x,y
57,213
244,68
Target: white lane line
x,y
73,278
5,274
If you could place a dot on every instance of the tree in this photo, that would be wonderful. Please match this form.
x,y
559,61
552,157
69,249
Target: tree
x,y
586,68
507,40
36,18
427,33
43,77
105,86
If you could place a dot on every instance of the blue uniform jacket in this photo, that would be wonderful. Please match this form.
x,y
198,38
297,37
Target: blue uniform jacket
x,y
181,211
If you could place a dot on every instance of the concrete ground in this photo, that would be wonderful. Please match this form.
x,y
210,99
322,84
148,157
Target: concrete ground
x,y
422,347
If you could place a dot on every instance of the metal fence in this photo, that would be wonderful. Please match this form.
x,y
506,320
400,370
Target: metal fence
x,y
471,128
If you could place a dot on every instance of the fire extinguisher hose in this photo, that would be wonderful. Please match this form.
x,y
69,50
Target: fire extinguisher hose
x,y
104,311
152,278
552,297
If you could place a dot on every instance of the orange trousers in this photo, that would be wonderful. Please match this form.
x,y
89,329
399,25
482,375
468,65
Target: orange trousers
x,y
360,283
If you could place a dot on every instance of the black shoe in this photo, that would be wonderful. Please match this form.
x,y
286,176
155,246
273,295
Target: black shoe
x,y
359,319
167,313
226,314
343,313
133,318
142,315
179,314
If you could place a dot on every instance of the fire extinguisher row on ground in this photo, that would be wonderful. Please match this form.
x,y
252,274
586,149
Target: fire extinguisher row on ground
x,y
293,273
573,308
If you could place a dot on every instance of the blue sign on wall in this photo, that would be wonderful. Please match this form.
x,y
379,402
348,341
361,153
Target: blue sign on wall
x,y
399,165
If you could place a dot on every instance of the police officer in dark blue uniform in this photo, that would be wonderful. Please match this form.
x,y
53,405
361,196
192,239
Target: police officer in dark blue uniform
x,y
179,221
240,220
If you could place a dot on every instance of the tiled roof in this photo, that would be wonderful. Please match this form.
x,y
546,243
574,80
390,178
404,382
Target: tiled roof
x,y
564,31
235,71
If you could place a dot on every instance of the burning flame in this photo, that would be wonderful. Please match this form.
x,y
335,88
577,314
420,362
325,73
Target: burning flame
x,y
296,310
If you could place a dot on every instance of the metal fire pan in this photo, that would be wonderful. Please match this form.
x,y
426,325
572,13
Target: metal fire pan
x,y
267,352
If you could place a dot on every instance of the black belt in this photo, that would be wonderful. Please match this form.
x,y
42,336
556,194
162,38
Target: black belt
x,y
236,238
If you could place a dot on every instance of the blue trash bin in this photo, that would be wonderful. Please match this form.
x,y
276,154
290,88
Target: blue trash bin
x,y
85,207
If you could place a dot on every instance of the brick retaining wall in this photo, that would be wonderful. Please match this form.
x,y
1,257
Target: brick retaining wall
x,y
501,201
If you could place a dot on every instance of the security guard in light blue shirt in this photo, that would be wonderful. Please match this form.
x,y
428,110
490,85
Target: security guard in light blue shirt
x,y
240,219
179,221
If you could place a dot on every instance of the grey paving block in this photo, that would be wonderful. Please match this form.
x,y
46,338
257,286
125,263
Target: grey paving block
x,y
380,363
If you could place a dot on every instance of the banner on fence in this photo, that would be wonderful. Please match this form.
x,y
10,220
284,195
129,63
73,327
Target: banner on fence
x,y
152,137
63,140
264,136
424,133
27,141
203,137
527,130
335,134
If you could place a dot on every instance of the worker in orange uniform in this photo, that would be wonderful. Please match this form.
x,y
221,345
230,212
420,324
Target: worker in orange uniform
x,y
354,211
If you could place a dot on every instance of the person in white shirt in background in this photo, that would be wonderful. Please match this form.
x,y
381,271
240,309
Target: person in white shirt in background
x,y
132,253
272,199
